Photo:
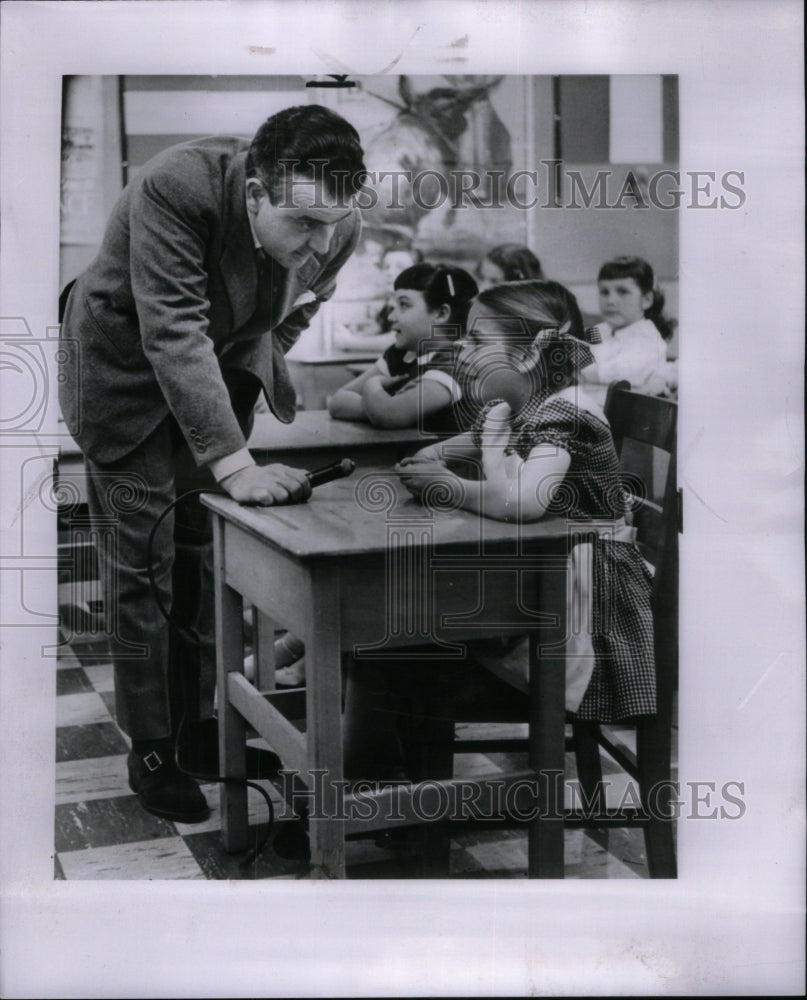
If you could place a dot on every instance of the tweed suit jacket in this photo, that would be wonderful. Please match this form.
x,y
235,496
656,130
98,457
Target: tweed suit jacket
x,y
169,303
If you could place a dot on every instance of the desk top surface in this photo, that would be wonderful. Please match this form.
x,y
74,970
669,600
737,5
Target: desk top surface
x,y
356,516
313,429
334,358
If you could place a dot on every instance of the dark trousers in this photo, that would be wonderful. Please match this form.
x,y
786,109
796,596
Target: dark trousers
x,y
399,714
153,665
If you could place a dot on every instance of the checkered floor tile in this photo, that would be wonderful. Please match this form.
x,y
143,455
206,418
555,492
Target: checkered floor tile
x,y
101,832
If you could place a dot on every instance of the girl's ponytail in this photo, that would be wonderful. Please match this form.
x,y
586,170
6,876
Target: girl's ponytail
x,y
664,325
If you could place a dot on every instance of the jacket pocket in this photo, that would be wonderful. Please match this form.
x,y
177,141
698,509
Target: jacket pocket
x,y
124,336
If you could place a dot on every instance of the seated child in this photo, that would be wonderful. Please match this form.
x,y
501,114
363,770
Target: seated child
x,y
375,333
414,383
542,446
508,262
633,333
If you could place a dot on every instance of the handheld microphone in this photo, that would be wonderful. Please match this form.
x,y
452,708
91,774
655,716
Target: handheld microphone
x,y
338,470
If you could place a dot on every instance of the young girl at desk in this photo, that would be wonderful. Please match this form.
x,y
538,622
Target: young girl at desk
x,y
633,331
541,445
414,383
375,335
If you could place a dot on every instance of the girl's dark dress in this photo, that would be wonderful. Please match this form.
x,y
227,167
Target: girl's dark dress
x,y
623,680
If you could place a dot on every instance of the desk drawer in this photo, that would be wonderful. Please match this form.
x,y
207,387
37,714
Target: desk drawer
x,y
448,605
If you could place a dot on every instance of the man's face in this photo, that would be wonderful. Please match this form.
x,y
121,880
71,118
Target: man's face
x,y
302,223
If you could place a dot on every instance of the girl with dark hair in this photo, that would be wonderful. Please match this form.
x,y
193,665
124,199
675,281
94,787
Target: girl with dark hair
x,y
415,380
508,262
540,446
373,334
633,332
414,383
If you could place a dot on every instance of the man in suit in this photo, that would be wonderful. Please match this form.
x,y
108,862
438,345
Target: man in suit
x,y
215,258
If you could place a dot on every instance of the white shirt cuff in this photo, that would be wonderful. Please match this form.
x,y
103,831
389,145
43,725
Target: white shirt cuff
x,y
223,467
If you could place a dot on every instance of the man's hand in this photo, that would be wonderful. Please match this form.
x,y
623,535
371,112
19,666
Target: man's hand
x,y
267,485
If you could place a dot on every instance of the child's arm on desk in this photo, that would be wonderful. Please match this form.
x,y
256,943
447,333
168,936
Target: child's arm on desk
x,y
513,489
460,447
346,403
413,402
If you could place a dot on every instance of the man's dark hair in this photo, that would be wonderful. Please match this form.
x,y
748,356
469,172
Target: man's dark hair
x,y
310,141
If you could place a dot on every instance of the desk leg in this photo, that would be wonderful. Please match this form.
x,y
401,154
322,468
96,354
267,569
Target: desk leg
x,y
263,631
324,725
547,733
229,610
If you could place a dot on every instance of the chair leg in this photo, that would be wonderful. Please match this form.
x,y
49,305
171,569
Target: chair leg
x,y
589,766
433,746
653,741
434,851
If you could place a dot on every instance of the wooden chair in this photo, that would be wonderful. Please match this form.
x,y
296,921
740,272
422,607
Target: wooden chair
x,y
650,422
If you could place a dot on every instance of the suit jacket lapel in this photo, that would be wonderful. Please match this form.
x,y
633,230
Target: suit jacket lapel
x,y
291,285
237,261
238,265
239,272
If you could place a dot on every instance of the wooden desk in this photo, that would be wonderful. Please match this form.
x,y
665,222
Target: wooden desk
x,y
361,565
312,440
315,439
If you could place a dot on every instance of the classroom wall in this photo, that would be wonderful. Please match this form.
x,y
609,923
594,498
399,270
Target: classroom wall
x,y
92,168
591,122
596,125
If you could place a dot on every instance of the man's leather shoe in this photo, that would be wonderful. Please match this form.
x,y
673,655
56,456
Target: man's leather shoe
x,y
163,789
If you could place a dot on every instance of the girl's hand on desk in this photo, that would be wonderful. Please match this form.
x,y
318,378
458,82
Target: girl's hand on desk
x,y
418,477
429,454
267,485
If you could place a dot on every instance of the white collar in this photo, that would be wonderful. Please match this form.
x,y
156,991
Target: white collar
x,y
638,326
422,359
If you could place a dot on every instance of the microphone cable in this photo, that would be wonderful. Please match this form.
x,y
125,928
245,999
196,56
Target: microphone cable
x,y
317,477
191,636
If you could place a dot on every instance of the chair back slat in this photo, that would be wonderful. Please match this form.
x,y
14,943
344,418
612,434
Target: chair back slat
x,y
650,422
648,519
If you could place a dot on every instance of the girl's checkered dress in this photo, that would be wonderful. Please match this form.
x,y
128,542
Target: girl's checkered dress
x,y
623,683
